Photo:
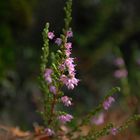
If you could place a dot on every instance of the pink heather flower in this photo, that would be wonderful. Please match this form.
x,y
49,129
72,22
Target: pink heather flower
x,y
68,45
64,79
69,61
69,33
71,82
71,70
48,72
58,41
53,89
49,132
47,75
114,131
48,79
65,118
62,67
107,103
68,52
69,64
111,99
120,73
51,35
98,120
66,101
119,62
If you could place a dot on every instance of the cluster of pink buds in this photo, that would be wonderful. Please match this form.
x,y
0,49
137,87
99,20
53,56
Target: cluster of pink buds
x,y
114,131
47,75
51,35
119,62
69,33
67,66
49,132
48,78
98,120
121,72
107,103
65,118
57,41
66,101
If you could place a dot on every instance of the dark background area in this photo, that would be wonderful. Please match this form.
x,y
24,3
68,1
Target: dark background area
x,y
101,28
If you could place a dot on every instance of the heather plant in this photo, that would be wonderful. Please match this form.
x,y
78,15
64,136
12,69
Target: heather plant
x,y
58,70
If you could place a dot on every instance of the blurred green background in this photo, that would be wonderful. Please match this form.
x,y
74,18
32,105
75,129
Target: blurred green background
x,y
103,31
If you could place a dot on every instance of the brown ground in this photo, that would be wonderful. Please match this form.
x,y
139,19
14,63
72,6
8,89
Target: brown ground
x,y
117,117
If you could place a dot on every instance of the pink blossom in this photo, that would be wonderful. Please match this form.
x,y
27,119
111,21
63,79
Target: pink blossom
x,y
111,99
69,61
53,89
47,75
69,64
65,118
114,131
68,45
66,101
119,62
62,67
68,52
64,79
69,33
49,132
98,120
71,82
72,71
48,72
48,79
58,41
51,35
120,73
107,103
